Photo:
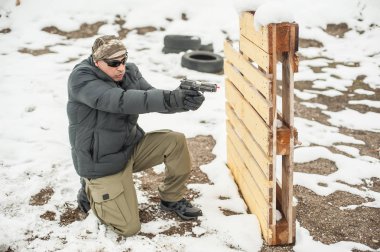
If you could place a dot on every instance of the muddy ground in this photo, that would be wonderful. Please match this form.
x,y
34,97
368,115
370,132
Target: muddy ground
x,y
320,215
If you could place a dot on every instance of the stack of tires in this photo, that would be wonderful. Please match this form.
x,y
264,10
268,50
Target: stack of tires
x,y
201,58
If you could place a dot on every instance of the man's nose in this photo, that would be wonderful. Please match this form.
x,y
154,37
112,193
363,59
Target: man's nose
x,y
121,67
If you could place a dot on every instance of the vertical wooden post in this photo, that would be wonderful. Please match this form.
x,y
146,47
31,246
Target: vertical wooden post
x,y
288,118
273,98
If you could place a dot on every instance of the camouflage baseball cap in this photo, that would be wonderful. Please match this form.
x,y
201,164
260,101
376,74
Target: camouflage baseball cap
x,y
108,47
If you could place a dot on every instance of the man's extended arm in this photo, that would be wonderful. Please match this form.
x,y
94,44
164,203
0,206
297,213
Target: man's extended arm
x,y
86,88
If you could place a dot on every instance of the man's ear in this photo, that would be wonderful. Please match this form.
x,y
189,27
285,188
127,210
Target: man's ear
x,y
96,63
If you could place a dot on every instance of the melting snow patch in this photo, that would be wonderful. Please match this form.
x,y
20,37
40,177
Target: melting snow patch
x,y
364,91
369,103
353,119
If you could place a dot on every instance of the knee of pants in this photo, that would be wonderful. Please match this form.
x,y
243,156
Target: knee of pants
x,y
130,230
178,137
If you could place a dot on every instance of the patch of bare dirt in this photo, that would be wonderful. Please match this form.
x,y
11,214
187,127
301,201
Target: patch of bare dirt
x,y
183,228
303,57
151,212
42,197
85,30
372,184
123,31
148,212
305,43
184,16
316,69
337,30
6,248
48,215
200,148
223,198
338,103
300,110
328,224
70,60
228,212
36,52
301,85
347,64
70,215
358,250
31,237
145,29
341,102
371,140
5,30
320,166
266,248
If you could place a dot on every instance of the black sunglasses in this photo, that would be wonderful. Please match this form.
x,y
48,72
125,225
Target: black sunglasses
x,y
116,63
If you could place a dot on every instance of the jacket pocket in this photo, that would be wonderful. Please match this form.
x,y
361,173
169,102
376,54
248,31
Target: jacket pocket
x,y
92,143
94,147
110,204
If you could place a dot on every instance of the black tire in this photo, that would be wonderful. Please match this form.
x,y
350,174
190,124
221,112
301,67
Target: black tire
x,y
182,42
203,61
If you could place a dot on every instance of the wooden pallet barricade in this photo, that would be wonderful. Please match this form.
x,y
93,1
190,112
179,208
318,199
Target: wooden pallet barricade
x,y
256,130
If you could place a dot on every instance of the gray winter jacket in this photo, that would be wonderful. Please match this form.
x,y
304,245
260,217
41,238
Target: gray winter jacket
x,y
103,115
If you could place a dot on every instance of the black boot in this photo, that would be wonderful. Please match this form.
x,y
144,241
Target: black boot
x,y
182,208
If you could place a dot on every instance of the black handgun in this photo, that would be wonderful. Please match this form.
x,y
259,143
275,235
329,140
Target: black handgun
x,y
198,85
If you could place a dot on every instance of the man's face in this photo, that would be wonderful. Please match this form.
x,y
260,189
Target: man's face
x,y
116,73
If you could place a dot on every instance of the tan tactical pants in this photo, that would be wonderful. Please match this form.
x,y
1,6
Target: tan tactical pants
x,y
113,198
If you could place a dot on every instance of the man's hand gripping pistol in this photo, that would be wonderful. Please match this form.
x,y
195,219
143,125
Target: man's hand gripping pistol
x,y
198,86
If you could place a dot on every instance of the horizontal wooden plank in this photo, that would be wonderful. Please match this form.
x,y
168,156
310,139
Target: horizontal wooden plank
x,y
263,107
256,54
251,119
243,178
261,175
263,157
245,182
259,80
259,37
250,201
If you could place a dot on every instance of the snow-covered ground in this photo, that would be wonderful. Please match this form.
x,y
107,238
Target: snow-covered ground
x,y
35,152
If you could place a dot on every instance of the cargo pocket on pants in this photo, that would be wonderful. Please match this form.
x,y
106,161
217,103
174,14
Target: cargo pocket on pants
x,y
110,205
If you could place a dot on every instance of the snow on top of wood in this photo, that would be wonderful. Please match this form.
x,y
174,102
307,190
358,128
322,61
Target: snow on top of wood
x,y
266,11
273,12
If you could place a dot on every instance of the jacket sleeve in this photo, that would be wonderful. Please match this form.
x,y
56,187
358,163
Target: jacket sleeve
x,y
146,86
86,88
